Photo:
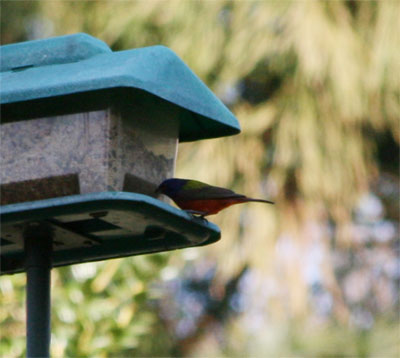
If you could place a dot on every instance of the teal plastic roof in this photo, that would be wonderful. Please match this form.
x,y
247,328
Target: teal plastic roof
x,y
79,64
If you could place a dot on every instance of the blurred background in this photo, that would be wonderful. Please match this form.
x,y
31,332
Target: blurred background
x,y
316,88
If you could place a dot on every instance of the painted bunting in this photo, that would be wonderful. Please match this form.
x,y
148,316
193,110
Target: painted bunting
x,y
201,199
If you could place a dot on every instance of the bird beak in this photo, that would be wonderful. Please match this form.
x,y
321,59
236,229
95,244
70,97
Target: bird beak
x,y
157,191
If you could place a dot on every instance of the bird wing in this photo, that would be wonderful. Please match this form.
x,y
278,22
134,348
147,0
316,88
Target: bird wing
x,y
201,191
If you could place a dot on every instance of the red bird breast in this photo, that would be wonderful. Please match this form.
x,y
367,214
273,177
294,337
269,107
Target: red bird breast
x,y
209,206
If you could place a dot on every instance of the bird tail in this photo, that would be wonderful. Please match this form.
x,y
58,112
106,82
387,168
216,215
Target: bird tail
x,y
260,200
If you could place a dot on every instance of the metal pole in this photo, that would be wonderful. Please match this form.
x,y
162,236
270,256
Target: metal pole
x,y
38,256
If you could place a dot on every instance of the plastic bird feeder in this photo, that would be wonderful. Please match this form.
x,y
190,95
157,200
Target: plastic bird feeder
x,y
87,134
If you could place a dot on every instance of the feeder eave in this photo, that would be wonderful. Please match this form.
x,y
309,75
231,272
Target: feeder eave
x,y
156,70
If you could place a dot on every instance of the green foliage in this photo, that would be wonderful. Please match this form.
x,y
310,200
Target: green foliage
x,y
98,309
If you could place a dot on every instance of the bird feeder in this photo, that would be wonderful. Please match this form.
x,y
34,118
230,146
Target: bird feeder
x,y
87,134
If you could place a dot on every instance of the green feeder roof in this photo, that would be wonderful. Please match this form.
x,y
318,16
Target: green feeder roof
x,y
80,68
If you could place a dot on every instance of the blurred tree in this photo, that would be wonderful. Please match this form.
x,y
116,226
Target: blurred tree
x,y
316,88
16,20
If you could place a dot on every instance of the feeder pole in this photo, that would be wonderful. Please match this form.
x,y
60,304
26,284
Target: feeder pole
x,y
38,261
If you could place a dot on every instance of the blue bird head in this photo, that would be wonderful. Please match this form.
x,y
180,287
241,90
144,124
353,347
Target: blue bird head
x,y
171,187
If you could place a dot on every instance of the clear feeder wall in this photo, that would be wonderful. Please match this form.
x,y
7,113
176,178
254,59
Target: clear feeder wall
x,y
121,148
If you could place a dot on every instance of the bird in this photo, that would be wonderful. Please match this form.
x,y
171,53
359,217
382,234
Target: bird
x,y
201,199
